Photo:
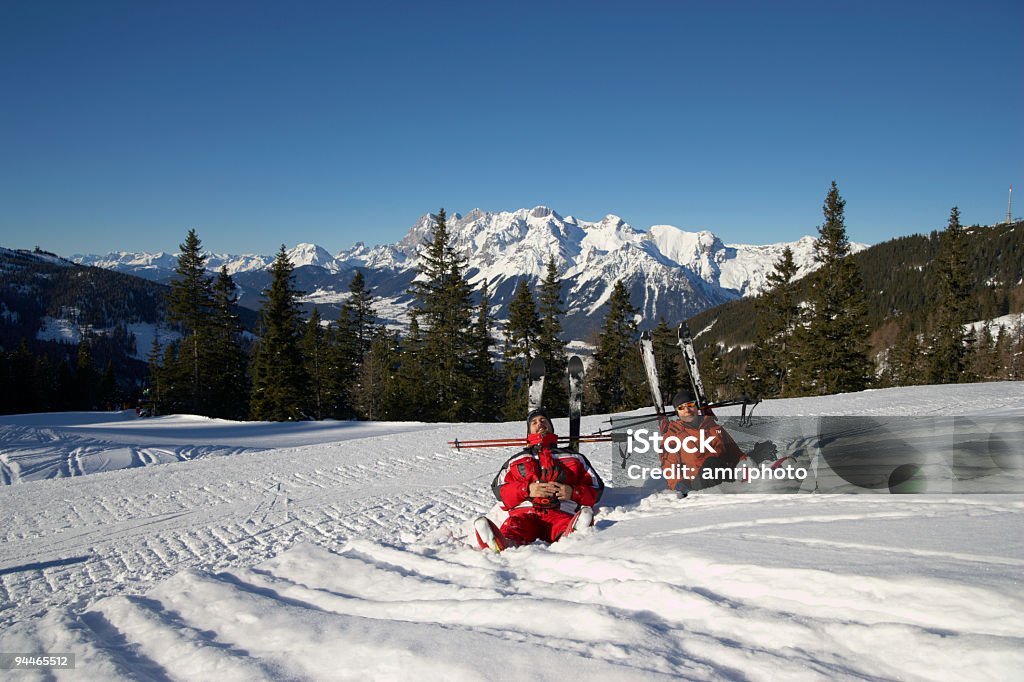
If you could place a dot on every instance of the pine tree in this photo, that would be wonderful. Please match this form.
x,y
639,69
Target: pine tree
x,y
229,381
948,357
768,369
1004,353
485,398
1014,356
830,346
374,396
66,389
18,383
616,363
903,365
445,306
86,378
280,382
713,375
190,304
668,360
108,388
360,310
348,344
44,382
550,346
408,379
985,360
521,336
154,364
344,355
315,352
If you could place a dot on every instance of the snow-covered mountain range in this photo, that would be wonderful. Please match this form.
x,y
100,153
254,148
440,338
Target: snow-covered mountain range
x,y
668,271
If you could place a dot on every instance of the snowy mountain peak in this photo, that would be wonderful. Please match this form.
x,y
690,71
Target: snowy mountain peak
x,y
702,252
311,254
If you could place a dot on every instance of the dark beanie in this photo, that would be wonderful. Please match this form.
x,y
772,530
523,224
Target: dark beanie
x,y
539,411
682,397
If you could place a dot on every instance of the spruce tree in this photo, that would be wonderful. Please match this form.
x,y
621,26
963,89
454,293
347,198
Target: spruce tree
x,y
830,345
345,354
550,346
229,381
948,356
86,378
66,398
315,354
108,397
190,305
521,337
1004,353
903,365
485,399
280,382
667,358
44,383
617,371
713,375
408,382
985,360
374,394
18,383
443,297
778,311
359,307
348,345
1014,362
154,365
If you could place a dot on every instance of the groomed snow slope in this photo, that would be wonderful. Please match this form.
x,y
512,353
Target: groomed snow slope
x,y
342,559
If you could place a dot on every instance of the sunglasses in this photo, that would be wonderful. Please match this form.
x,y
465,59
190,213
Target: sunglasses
x,y
693,404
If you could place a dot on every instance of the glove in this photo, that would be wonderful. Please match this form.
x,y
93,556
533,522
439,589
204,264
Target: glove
x,y
763,451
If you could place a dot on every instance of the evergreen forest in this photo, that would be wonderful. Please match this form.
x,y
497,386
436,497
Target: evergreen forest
x,y
895,314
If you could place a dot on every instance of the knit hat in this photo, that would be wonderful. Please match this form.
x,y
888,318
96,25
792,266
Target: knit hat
x,y
682,397
539,411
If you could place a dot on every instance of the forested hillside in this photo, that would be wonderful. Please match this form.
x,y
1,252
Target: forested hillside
x,y
903,285
66,339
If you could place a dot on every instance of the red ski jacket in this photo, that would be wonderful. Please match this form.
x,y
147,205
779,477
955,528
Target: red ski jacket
x,y
543,461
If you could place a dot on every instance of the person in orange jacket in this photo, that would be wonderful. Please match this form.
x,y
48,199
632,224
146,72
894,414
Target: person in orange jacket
x,y
687,464
548,491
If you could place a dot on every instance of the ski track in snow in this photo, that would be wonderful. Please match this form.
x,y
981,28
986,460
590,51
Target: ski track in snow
x,y
342,560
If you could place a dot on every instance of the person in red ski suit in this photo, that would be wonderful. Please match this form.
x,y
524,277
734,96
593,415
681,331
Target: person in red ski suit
x,y
722,453
548,491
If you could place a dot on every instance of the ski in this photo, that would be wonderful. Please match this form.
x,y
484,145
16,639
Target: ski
x,y
647,355
575,370
536,385
690,355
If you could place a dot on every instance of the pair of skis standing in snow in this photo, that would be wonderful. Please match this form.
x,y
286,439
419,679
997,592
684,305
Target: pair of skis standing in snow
x,y
722,460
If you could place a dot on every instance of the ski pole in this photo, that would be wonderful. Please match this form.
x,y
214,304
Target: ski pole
x,y
521,442
463,446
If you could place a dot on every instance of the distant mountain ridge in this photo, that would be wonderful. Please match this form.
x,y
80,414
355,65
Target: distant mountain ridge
x,y
668,271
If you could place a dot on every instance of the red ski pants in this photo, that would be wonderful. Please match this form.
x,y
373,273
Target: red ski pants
x,y
524,527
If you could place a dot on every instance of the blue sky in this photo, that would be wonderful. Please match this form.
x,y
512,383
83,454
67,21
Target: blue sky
x,y
123,124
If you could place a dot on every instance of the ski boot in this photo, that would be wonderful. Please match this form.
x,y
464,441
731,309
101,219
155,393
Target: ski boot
x,y
488,536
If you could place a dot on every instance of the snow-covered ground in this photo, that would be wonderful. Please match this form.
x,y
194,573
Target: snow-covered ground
x,y
336,551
